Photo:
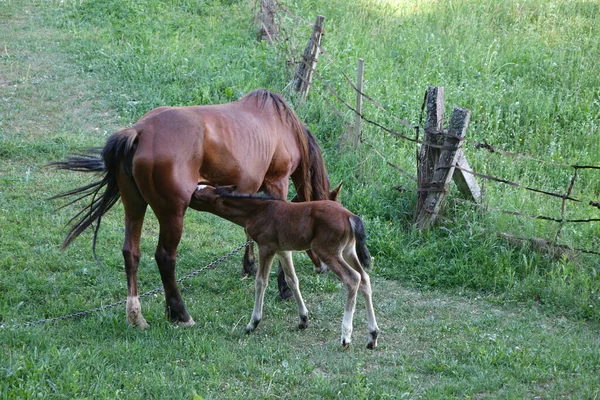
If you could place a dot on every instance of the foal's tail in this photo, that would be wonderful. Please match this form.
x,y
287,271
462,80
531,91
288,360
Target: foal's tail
x,y
119,148
358,229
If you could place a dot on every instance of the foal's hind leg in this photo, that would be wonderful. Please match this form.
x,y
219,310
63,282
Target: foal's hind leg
x,y
292,281
171,228
135,209
365,289
351,281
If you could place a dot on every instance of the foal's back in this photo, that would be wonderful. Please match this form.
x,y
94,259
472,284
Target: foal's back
x,y
296,226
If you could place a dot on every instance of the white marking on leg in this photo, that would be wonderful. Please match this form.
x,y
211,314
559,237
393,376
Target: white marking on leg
x,y
134,313
291,279
365,288
200,187
352,282
262,281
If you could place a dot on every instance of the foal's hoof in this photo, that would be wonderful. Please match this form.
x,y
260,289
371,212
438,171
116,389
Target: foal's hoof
x,y
372,340
321,269
303,323
251,326
345,345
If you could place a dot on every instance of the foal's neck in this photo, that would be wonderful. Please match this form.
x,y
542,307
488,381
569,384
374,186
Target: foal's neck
x,y
241,210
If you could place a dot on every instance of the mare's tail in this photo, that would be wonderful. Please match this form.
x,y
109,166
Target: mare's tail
x,y
358,229
119,148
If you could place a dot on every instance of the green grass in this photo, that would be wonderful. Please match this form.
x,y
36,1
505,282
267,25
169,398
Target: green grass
x,y
464,313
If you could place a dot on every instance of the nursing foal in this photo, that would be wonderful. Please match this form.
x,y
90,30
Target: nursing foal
x,y
332,232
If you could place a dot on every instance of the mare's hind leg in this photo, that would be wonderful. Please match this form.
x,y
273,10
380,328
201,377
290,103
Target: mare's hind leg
x,y
135,210
292,281
265,259
171,228
365,289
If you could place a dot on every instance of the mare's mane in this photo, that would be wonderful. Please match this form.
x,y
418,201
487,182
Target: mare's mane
x,y
264,98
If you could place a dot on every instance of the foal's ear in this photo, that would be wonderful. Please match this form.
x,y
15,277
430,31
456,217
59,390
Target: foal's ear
x,y
335,193
225,190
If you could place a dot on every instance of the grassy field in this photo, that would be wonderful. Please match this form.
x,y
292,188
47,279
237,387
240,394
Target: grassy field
x,y
463,313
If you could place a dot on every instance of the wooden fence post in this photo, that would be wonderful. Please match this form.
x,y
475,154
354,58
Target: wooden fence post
x,y
466,182
428,156
359,98
268,29
308,64
445,169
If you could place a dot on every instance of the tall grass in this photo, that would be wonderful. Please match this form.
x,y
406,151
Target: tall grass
x,y
525,69
469,326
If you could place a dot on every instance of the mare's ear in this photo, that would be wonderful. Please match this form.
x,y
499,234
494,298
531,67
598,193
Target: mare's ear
x,y
335,193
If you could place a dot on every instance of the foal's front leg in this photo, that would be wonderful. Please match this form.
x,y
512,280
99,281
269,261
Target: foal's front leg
x,y
265,259
292,280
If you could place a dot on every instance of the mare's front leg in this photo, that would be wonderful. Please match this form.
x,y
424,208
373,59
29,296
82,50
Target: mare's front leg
x,y
265,259
171,228
292,281
248,263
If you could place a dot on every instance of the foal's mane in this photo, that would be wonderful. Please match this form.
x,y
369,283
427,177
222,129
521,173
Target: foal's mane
x,y
221,191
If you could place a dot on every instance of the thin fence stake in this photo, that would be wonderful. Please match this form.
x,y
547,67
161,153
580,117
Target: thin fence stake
x,y
308,64
359,100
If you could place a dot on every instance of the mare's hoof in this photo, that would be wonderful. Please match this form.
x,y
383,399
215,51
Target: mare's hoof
x,y
371,345
249,268
141,325
286,293
186,324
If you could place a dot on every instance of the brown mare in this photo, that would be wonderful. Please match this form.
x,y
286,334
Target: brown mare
x,y
335,235
256,143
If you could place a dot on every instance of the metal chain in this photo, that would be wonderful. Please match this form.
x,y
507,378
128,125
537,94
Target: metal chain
x,y
120,302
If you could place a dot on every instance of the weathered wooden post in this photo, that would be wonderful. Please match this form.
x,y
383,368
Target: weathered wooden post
x,y
465,181
268,29
444,171
308,64
359,98
429,154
